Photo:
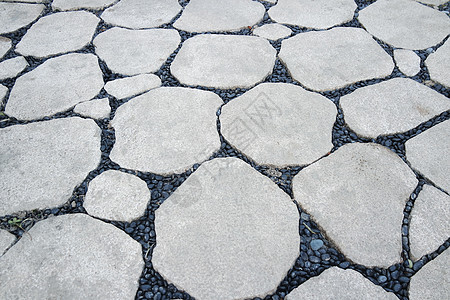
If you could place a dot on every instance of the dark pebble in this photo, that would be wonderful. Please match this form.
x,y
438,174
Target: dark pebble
x,y
397,287
344,265
404,279
382,279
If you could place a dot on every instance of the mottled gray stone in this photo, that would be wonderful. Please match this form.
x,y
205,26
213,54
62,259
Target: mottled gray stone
x,y
272,31
166,130
95,108
438,64
407,61
131,86
55,86
41,163
3,91
17,15
77,4
334,58
12,67
392,106
5,45
405,23
223,61
224,15
279,124
357,192
6,240
132,52
230,227
72,257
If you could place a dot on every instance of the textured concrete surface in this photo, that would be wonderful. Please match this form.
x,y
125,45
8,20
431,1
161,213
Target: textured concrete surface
x,y
96,108
439,65
272,31
16,15
131,86
407,61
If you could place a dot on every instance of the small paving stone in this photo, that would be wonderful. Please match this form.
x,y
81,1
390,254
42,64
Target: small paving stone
x,y
405,24
272,31
96,108
357,192
223,61
132,52
279,124
320,14
41,163
12,67
438,64
225,15
335,58
407,61
131,86
152,13
3,91
166,130
118,196
6,239
392,106
77,4
17,15
54,86
5,45
225,216
72,257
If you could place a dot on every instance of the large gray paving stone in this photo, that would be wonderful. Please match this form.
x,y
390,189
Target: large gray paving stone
x,y
357,195
405,23
279,124
6,239
334,58
272,31
5,45
438,64
407,61
12,67
17,15
72,257
227,232
132,52
95,108
131,86
55,86
223,61
166,130
392,106
77,4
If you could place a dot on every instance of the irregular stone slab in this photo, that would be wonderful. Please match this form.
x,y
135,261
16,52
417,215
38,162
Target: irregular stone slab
x,y
438,64
428,153
117,196
96,108
335,283
77,4
432,281
72,257
279,124
6,239
223,61
41,163
405,24
359,191
131,86
272,31
55,86
237,217
225,15
166,130
12,67
334,58
320,14
407,61
392,106
17,15
139,14
3,91
5,45
132,52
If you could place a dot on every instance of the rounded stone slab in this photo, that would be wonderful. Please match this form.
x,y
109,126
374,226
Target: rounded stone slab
x,y
334,58
320,14
438,64
392,106
77,4
6,239
223,61
227,232
405,24
17,15
407,61
357,195
132,52
131,86
72,257
166,130
42,162
95,108
55,86
428,153
12,67
279,124
5,45
139,14
224,15
272,31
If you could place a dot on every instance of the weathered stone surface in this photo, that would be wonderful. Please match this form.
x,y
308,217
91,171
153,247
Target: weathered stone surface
x,y
96,108
12,67
54,86
433,2
272,31
152,13
438,64
392,106
225,216
279,124
334,58
359,191
41,163
118,196
407,61
335,283
428,153
6,240
433,280
17,15
3,91
131,86
319,14
166,130
223,61
132,52
5,45
77,4
72,257
405,24
225,15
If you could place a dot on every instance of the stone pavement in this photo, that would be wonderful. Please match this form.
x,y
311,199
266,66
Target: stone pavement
x,y
232,149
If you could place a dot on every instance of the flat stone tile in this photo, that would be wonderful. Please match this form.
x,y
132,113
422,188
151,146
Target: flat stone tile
x,y
272,31
6,239
17,15
438,64
12,67
5,45
131,86
407,61
95,108
78,4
